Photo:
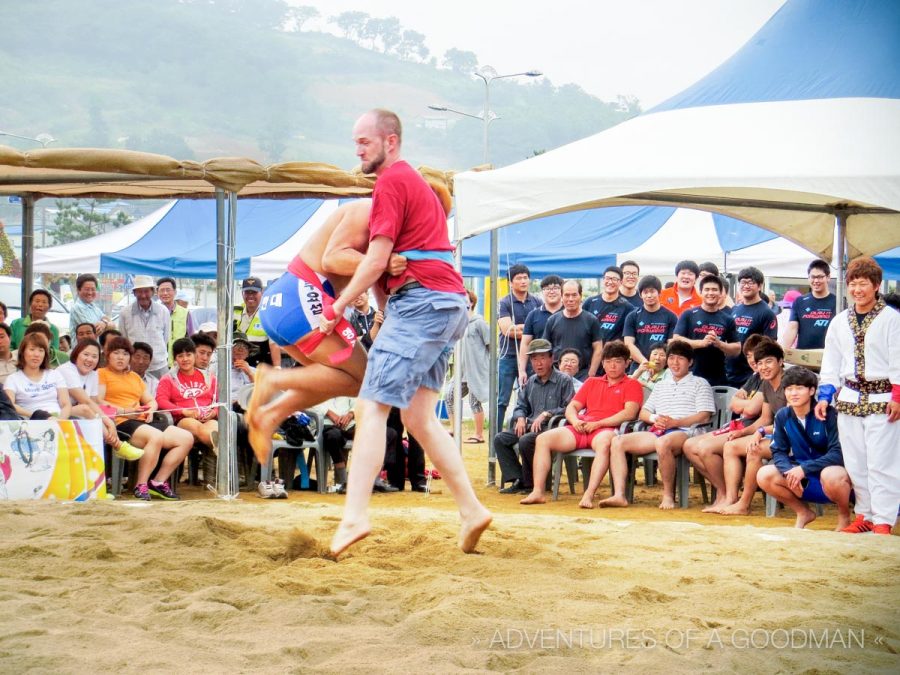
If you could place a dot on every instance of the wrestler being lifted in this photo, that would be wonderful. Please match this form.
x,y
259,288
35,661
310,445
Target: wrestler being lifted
x,y
290,309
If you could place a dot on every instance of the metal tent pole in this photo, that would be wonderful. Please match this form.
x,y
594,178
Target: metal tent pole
x,y
496,425
457,370
841,259
27,250
226,473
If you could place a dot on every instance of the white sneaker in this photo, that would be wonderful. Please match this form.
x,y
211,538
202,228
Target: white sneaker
x,y
278,489
265,490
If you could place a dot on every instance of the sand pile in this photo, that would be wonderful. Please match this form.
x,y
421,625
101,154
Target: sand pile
x,y
248,586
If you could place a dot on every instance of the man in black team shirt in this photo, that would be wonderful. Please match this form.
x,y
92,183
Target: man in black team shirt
x,y
536,321
631,272
751,316
710,332
811,313
652,325
574,328
511,312
609,307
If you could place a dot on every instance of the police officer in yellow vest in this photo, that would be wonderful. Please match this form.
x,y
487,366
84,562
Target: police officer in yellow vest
x,y
246,321
165,291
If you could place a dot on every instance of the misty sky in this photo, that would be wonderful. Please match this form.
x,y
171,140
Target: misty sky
x,y
651,49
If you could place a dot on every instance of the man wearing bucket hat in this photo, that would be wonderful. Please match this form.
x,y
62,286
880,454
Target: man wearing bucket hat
x,y
147,321
242,373
545,394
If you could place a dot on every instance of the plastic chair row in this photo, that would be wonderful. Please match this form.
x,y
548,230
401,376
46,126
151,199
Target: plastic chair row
x,y
286,451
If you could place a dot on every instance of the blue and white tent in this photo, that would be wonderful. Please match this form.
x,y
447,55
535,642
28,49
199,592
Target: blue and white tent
x,y
583,243
799,128
179,239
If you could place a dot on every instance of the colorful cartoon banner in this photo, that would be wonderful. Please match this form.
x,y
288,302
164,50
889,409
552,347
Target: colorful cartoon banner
x,y
52,459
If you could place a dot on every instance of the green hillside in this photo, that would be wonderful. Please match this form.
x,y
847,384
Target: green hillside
x,y
202,79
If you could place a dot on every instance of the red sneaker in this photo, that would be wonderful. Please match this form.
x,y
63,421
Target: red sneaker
x,y
859,525
882,528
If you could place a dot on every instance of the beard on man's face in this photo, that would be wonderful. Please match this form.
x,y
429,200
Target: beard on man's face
x,y
374,164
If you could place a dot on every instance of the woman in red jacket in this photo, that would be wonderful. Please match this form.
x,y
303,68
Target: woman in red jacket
x,y
189,393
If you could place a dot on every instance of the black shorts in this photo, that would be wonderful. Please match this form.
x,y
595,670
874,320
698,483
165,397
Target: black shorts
x,y
129,427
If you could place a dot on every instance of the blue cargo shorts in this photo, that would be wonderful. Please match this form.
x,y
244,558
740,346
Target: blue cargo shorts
x,y
413,347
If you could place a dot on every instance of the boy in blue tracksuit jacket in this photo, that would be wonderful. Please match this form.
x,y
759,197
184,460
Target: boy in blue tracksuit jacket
x,y
807,464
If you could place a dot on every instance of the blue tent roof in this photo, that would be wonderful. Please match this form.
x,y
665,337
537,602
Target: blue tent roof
x,y
810,49
183,243
583,243
890,263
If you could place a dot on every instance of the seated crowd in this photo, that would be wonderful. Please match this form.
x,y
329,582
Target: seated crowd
x,y
651,362
153,385
633,371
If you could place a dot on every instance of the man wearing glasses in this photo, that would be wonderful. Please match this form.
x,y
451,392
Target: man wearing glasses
x,y
609,307
751,316
631,272
812,313
536,320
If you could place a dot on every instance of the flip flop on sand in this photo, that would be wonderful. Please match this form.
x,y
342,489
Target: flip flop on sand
x,y
474,439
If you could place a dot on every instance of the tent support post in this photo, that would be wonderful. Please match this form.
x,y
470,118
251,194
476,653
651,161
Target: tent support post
x,y
841,259
27,250
457,371
496,425
226,472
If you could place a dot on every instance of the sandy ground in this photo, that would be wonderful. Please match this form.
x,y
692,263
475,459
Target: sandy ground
x,y
206,585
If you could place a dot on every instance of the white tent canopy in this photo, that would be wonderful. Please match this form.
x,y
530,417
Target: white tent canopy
x,y
800,125
691,235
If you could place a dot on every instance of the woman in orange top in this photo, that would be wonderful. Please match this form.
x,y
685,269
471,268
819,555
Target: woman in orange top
x,y
126,393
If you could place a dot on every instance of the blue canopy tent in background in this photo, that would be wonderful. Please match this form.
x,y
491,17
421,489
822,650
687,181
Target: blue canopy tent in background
x,y
179,240
583,243
183,243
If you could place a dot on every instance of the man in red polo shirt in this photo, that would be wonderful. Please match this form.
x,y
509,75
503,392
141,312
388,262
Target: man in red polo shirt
x,y
682,296
594,416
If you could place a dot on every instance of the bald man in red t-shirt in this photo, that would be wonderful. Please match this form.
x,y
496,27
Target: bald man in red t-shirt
x,y
425,314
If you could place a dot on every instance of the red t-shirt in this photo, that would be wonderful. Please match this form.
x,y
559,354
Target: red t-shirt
x,y
407,211
600,400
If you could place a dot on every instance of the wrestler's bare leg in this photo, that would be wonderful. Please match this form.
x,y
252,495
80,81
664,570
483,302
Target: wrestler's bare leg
x,y
371,422
315,382
422,422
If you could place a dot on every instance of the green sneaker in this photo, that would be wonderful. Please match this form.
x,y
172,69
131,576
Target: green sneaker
x,y
161,490
128,452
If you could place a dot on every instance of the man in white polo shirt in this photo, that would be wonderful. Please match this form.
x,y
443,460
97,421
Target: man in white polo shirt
x,y
676,404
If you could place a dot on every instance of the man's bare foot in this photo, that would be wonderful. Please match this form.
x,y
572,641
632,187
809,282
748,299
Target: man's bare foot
x,y
348,534
614,501
843,521
534,498
715,506
259,436
471,529
587,501
804,518
667,504
736,509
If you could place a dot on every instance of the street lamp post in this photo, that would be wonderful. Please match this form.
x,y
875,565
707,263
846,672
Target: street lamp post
x,y
487,75
43,139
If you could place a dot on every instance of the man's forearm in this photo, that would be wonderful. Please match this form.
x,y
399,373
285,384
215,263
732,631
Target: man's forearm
x,y
366,275
595,359
697,418
341,261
